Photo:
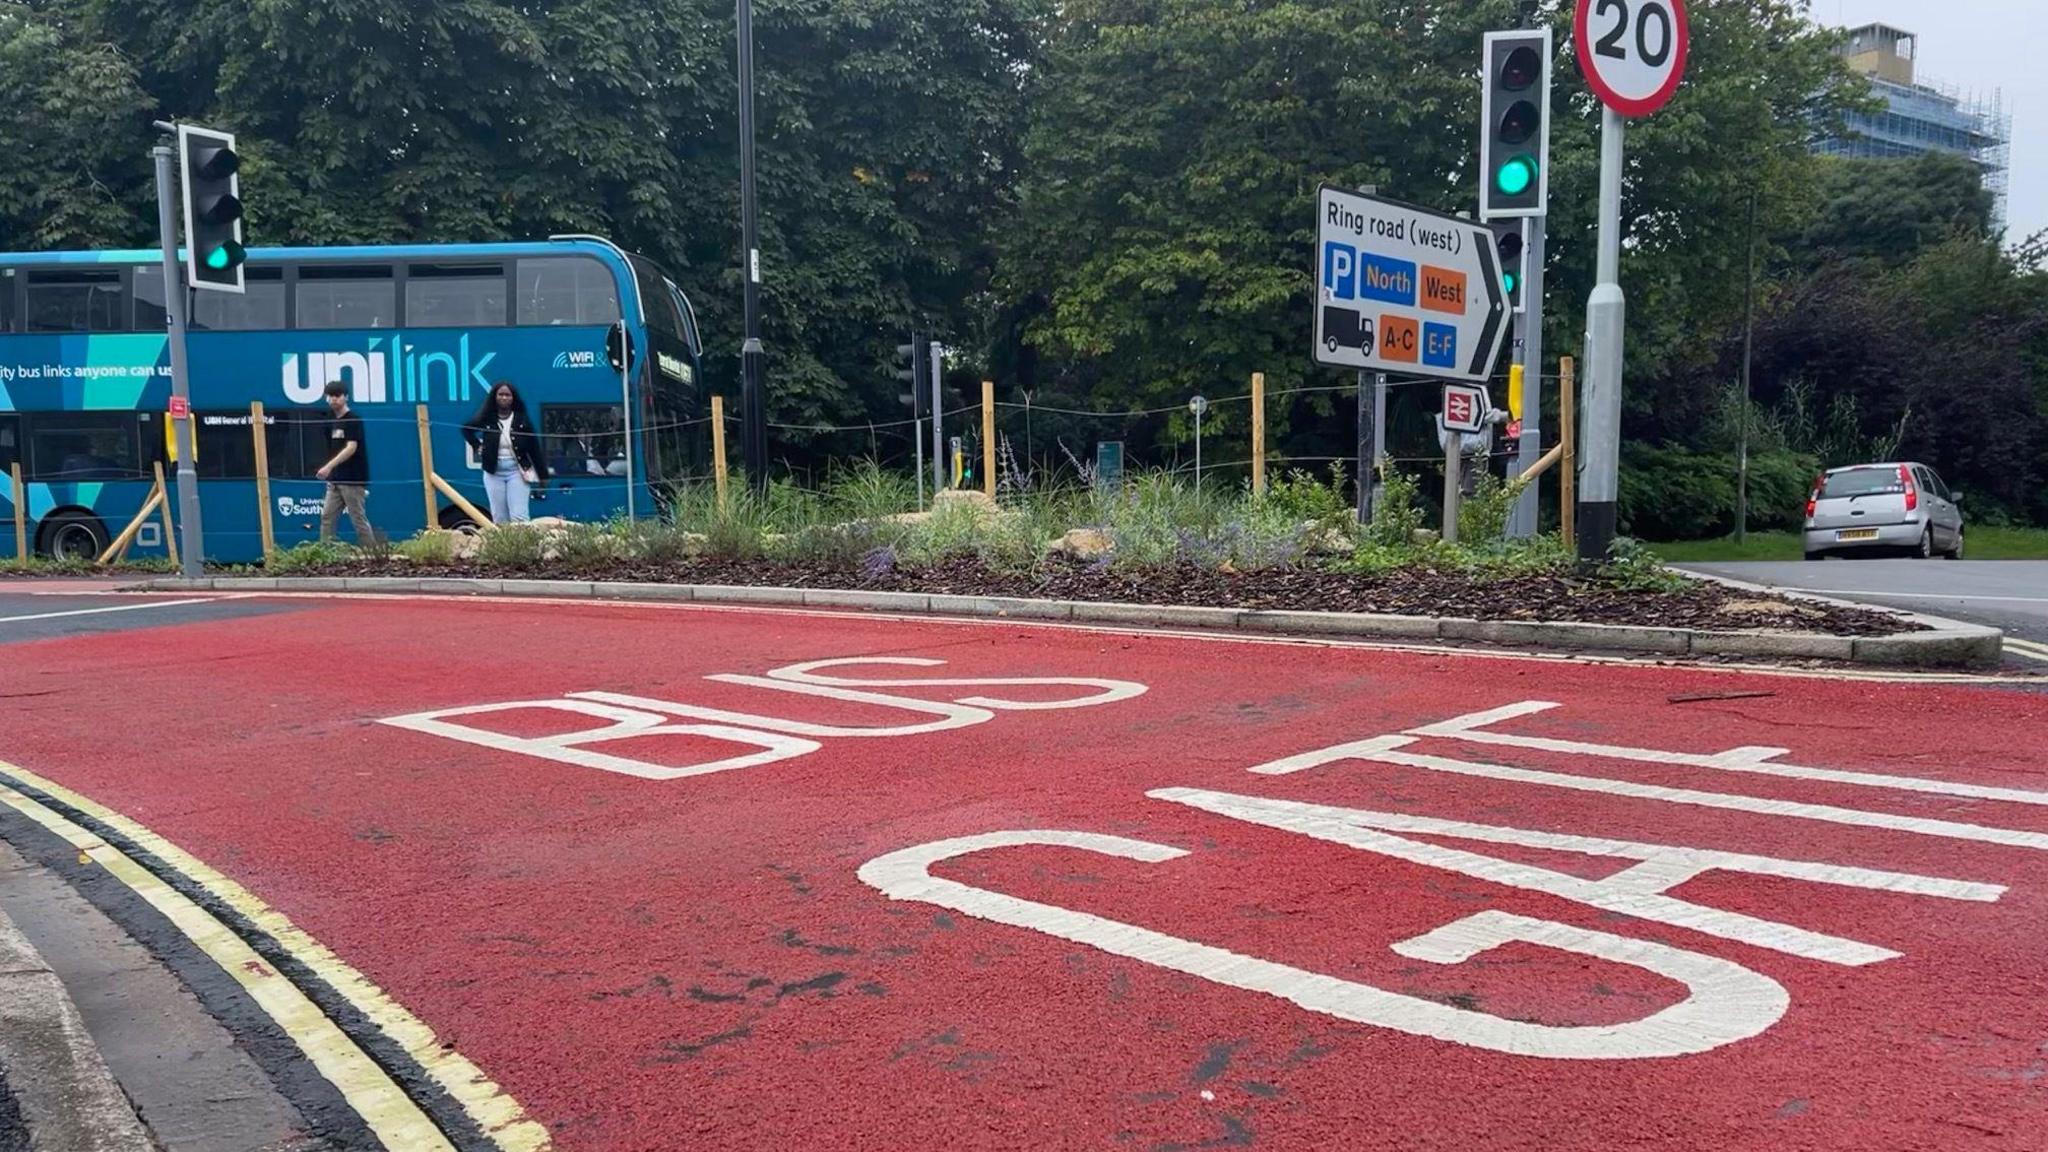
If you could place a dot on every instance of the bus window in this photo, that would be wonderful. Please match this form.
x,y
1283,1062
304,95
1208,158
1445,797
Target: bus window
x,y
347,296
260,307
76,300
583,439
10,443
662,318
149,299
84,446
566,290
689,314
7,282
227,450
455,296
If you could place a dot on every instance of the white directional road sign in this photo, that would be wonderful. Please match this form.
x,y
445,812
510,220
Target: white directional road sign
x,y
1632,51
1465,407
1403,289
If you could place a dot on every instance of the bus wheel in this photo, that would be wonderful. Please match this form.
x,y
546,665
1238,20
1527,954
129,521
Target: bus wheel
x,y
73,536
456,520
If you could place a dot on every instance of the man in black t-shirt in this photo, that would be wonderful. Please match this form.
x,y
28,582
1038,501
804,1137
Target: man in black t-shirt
x,y
347,470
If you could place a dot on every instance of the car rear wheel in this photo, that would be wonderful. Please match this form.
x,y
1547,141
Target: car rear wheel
x,y
1956,553
1926,549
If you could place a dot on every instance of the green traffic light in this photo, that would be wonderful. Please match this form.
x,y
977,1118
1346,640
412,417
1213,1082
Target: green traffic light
x,y
222,257
1515,176
1510,282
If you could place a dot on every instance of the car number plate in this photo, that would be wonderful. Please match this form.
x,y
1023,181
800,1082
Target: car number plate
x,y
1857,534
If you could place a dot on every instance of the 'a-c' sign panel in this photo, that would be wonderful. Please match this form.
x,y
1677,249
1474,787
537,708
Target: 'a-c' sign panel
x,y
1632,51
1403,289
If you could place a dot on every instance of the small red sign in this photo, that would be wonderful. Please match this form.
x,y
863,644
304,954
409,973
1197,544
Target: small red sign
x,y
1514,430
1457,408
181,408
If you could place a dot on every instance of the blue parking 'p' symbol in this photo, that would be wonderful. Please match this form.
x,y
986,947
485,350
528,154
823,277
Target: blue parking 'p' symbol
x,y
1340,271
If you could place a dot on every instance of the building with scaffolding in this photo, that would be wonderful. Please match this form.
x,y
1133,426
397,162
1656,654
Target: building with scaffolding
x,y
1920,115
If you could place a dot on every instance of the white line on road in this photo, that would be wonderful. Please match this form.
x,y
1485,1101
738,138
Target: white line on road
x,y
1915,595
93,611
2027,649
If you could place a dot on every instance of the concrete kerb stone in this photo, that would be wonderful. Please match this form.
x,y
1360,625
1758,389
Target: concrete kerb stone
x,y
1947,643
67,1096
1342,624
1944,643
1155,615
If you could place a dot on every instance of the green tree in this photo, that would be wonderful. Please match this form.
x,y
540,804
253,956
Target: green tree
x,y
78,118
1891,210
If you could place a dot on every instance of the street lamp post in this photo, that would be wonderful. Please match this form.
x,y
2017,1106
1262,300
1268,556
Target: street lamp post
x,y
754,404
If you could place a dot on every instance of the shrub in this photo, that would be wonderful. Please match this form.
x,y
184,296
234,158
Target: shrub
x,y
311,556
1395,516
511,547
1676,493
1483,516
1302,497
433,546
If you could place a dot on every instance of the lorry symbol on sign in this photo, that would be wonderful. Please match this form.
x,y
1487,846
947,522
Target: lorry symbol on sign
x,y
1344,328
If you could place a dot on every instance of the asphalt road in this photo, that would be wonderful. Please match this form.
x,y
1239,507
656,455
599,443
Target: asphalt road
x,y
2007,594
685,876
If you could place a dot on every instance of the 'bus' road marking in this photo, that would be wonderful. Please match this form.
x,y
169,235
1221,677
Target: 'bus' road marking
x,y
392,1115
96,611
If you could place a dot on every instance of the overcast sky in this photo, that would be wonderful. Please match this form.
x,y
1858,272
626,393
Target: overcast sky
x,y
1980,45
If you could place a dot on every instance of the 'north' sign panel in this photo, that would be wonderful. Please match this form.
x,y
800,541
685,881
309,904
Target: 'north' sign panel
x,y
1402,289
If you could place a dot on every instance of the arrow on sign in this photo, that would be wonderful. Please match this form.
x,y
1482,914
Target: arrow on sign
x,y
1488,345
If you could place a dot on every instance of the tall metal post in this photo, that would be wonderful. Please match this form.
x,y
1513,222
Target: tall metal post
x,y
1742,422
1365,445
1526,519
754,401
938,355
1605,312
192,552
1379,435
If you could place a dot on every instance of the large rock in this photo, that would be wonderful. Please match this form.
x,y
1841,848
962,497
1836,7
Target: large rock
x,y
1083,544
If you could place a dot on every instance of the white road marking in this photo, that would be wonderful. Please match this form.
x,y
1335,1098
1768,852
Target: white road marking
x,y
1639,891
2027,649
1724,1002
1382,749
1748,759
1850,595
109,608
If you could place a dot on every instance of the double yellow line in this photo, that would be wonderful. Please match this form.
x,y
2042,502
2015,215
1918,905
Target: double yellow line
x,y
2027,649
384,1106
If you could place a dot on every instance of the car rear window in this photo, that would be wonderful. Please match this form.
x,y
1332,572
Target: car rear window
x,y
1862,482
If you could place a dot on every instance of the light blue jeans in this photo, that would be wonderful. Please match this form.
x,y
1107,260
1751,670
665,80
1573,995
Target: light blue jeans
x,y
509,493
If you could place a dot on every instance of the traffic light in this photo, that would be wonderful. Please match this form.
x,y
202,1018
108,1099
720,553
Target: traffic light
x,y
1508,241
911,366
213,208
1514,135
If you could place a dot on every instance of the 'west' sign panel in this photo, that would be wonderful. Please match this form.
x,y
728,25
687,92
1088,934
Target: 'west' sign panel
x,y
1402,289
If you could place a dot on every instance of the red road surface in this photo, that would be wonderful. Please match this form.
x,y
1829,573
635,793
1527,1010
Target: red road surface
x,y
696,963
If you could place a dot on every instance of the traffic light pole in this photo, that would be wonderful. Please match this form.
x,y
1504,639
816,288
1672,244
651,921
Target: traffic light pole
x,y
192,550
754,403
1525,520
1605,310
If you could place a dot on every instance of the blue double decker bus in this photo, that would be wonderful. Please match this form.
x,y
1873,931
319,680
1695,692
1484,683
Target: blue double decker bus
x,y
85,384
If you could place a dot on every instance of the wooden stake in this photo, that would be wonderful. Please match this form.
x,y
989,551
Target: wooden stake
x,y
260,437
718,445
1568,438
119,547
427,470
988,438
480,517
1258,433
170,531
20,517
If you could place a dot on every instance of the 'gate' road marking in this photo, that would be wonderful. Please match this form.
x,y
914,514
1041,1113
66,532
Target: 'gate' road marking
x,y
96,611
385,1107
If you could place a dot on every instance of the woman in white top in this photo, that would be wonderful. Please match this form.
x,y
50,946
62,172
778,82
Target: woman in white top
x,y
509,450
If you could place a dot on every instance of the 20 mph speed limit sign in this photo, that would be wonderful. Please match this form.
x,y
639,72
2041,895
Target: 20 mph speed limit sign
x,y
1632,51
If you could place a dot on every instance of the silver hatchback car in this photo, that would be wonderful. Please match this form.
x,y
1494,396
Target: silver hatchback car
x,y
1883,507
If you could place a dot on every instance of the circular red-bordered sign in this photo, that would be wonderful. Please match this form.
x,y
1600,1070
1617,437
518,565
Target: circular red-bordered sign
x,y
1632,51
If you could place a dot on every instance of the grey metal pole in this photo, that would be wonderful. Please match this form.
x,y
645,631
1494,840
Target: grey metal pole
x,y
1379,435
1526,520
753,355
1198,451
938,358
192,550
1452,459
1742,422
1606,310
1366,440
